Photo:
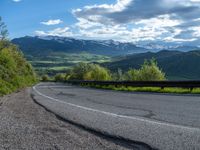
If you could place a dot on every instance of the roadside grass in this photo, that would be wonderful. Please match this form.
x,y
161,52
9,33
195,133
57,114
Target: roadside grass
x,y
149,89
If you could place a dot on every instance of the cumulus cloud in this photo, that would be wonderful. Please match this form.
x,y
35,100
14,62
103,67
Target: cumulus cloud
x,y
135,21
52,22
63,32
125,11
175,20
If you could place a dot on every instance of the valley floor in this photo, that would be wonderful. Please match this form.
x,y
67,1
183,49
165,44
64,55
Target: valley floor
x,y
26,125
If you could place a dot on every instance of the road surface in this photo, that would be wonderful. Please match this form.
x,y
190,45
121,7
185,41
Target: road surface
x,y
24,125
162,121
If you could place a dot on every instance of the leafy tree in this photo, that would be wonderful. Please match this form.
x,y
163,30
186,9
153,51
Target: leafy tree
x,y
78,72
84,71
45,78
60,77
3,30
118,76
149,71
132,75
98,74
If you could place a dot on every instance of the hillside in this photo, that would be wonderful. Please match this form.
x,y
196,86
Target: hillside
x,y
51,55
15,72
51,44
176,64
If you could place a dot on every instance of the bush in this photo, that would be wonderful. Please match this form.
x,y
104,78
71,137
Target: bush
x,y
45,78
60,77
149,71
84,71
78,72
98,73
118,76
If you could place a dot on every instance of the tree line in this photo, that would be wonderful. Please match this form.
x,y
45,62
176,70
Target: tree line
x,y
149,71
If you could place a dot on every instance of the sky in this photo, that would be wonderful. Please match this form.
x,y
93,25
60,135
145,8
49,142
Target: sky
x,y
138,21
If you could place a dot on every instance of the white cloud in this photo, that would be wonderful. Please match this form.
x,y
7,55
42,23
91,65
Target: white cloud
x,y
141,20
85,24
196,31
52,22
16,0
126,11
135,21
63,32
195,0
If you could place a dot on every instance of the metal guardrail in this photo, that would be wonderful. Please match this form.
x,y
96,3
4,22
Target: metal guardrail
x,y
161,84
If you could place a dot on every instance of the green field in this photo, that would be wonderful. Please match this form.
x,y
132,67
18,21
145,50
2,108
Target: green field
x,y
62,62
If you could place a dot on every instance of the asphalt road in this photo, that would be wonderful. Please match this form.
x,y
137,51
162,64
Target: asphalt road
x,y
162,121
25,125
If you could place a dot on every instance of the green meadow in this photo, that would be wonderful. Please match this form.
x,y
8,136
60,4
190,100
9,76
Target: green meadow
x,y
62,62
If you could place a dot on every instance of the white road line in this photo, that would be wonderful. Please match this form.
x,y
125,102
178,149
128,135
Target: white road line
x,y
115,115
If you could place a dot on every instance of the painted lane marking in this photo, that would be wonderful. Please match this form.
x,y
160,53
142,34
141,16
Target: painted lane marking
x,y
112,114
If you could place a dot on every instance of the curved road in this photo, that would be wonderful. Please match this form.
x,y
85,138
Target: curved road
x,y
162,121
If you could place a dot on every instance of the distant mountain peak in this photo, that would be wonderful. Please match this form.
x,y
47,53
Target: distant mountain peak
x,y
164,46
72,45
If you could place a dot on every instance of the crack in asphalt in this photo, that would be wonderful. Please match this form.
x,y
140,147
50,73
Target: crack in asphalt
x,y
65,94
149,114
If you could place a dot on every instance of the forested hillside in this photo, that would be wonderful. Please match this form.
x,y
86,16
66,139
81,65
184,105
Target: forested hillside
x,y
177,65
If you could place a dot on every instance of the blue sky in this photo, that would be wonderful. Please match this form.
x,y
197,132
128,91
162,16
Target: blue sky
x,y
139,21
24,17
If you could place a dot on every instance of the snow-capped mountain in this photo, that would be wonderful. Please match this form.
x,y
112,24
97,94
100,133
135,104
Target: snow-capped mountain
x,y
44,45
177,47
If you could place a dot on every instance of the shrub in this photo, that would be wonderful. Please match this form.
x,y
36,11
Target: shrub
x,y
98,73
60,77
118,76
45,78
84,71
149,71
78,72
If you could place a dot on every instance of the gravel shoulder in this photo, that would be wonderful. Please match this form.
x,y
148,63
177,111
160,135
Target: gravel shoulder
x,y
26,125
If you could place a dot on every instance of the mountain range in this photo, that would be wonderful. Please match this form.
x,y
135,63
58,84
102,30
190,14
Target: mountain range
x,y
45,45
177,61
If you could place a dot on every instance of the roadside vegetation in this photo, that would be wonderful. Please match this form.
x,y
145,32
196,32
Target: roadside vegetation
x,y
149,71
149,89
15,71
